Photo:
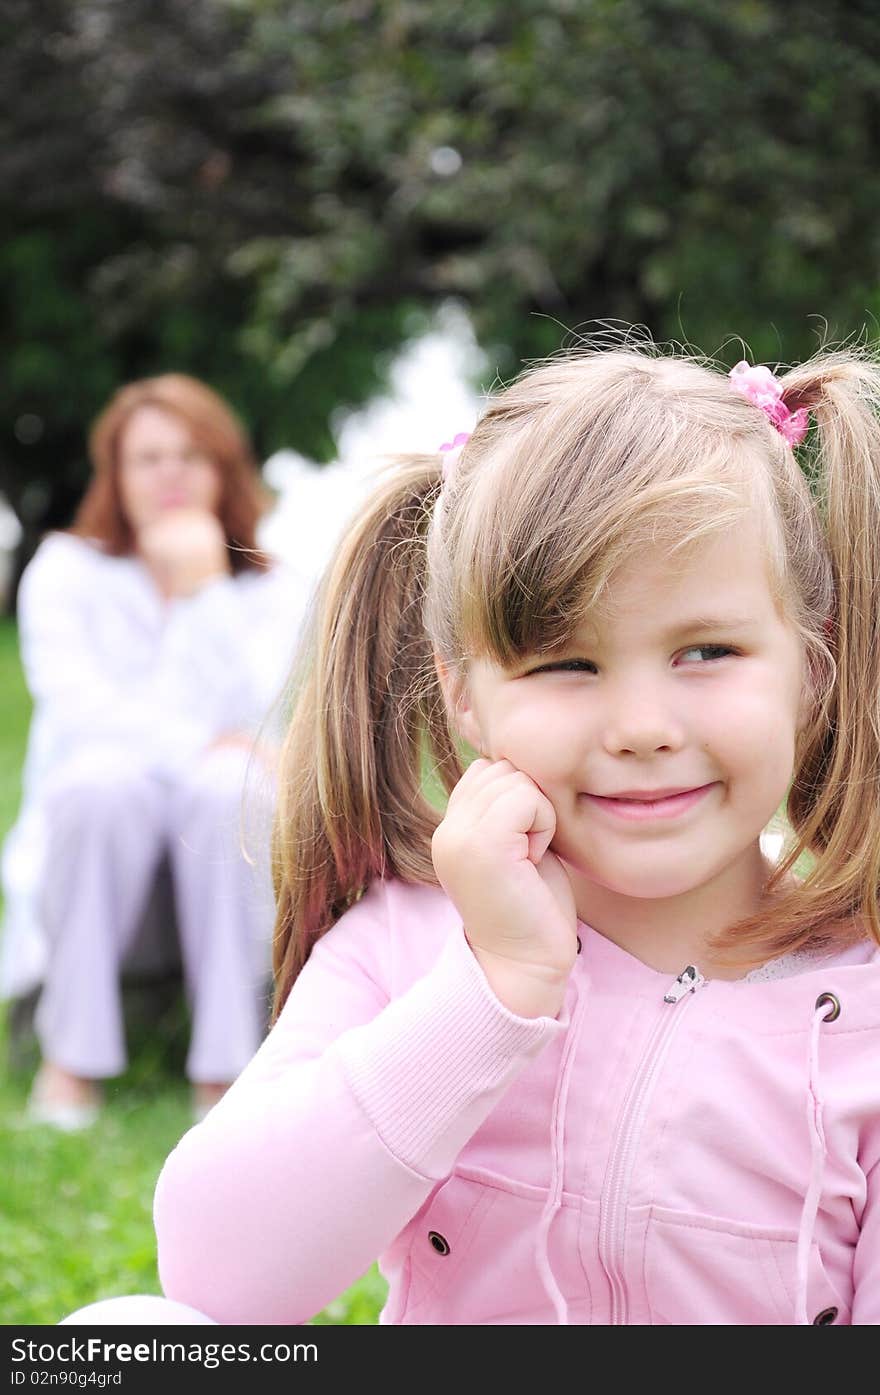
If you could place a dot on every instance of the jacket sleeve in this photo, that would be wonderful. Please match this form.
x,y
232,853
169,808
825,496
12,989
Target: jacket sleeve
x,y
220,663
337,1131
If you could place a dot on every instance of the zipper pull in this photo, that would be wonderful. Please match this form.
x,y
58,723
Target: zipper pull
x,y
688,981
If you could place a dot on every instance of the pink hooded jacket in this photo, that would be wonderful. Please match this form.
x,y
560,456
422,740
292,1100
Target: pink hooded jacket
x,y
671,1152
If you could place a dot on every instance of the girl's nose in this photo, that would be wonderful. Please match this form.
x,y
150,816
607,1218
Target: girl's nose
x,y
641,728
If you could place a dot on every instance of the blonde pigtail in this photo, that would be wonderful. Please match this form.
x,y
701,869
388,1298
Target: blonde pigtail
x,y
834,803
367,714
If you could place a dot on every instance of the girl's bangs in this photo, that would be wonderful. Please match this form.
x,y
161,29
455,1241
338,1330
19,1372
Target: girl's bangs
x,y
533,595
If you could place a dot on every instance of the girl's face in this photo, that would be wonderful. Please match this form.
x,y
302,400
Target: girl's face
x,y
689,680
162,468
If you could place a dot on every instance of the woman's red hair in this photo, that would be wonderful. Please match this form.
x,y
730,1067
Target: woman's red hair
x,y
214,428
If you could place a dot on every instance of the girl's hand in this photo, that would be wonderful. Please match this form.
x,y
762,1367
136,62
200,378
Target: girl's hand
x,y
184,549
491,855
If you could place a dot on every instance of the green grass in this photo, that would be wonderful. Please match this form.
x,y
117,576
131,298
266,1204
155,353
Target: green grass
x,y
75,1210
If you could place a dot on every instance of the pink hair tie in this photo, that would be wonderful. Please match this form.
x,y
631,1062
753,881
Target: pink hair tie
x,y
451,450
758,384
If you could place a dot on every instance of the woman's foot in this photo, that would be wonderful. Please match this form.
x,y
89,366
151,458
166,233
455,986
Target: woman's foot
x,y
63,1100
205,1096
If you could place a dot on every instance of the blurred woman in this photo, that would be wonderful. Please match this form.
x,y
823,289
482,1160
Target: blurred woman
x,y
155,636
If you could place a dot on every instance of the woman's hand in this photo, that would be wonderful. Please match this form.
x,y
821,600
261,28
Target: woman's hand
x,y
491,855
184,549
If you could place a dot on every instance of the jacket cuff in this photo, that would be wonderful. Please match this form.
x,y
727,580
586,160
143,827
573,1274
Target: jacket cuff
x,y
434,1064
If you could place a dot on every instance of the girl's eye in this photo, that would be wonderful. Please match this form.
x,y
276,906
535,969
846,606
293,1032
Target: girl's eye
x,y
565,666
714,651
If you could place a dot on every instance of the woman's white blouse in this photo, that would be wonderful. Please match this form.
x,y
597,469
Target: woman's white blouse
x,y
109,661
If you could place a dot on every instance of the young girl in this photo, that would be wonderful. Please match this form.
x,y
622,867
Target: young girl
x,y
575,1051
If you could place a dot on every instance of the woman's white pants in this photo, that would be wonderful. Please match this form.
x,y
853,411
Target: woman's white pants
x,y
109,823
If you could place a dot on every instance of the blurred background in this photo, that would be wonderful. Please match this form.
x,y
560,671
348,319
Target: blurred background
x,y
353,220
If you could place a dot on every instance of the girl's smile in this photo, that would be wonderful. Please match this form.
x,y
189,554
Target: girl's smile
x,y
641,807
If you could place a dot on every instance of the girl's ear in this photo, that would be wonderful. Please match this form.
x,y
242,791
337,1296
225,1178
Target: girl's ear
x,y
458,704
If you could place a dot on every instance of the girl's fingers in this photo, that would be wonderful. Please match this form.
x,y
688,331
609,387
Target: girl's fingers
x,y
543,829
520,805
496,793
481,776
482,772
543,826
485,793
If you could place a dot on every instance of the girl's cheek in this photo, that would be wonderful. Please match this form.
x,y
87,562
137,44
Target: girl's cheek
x,y
528,721
543,747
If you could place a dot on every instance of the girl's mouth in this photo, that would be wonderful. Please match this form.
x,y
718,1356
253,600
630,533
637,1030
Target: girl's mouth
x,y
639,810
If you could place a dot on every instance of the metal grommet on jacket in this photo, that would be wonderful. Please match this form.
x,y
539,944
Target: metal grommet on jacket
x,y
825,1318
439,1242
832,1001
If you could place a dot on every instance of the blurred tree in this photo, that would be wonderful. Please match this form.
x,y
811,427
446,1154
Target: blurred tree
x,y
270,193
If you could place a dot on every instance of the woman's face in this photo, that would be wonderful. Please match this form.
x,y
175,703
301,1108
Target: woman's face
x,y
162,468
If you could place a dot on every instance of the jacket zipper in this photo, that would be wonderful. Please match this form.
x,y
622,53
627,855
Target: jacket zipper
x,y
612,1224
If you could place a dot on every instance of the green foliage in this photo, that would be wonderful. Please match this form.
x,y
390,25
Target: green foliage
x,y
272,193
